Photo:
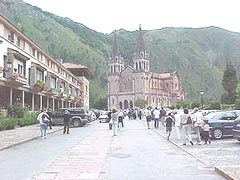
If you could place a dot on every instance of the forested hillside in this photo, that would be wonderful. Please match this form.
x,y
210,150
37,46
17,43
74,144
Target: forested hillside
x,y
199,55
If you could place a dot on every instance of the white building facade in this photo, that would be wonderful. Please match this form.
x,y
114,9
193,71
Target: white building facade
x,y
31,77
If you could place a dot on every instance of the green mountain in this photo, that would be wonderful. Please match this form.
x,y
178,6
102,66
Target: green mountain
x,y
199,55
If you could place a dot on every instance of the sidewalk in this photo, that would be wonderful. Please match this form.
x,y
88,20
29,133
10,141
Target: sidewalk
x,y
20,135
229,172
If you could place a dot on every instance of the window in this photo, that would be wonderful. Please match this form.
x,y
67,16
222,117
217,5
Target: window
x,y
53,82
39,75
33,52
18,41
11,36
20,69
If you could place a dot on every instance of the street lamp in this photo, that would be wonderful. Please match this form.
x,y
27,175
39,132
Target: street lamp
x,y
201,93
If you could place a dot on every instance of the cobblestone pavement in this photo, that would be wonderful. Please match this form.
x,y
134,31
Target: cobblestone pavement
x,y
222,154
83,161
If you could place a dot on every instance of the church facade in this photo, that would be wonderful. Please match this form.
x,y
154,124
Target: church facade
x,y
128,84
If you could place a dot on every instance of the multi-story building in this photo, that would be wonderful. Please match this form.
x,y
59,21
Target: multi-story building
x,y
31,77
127,84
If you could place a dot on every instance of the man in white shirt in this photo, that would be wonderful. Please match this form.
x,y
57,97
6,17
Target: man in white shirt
x,y
156,116
197,118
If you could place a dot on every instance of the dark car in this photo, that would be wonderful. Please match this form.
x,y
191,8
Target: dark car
x,y
79,116
236,129
221,123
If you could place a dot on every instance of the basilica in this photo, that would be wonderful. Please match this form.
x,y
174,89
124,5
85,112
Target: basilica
x,y
126,84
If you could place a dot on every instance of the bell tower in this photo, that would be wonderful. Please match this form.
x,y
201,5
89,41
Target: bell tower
x,y
140,59
115,67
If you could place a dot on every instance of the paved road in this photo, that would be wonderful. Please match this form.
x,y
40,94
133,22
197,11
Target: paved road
x,y
24,161
136,153
140,153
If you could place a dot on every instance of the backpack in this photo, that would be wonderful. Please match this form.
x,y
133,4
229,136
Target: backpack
x,y
189,120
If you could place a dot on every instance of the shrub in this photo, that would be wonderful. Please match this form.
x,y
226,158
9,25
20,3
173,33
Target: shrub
x,y
237,104
17,111
6,124
215,105
10,123
195,105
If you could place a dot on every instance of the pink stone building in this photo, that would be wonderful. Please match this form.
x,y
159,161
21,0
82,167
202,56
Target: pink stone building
x,y
127,84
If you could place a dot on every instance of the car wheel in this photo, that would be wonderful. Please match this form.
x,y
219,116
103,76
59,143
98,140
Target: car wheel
x,y
77,123
217,133
238,139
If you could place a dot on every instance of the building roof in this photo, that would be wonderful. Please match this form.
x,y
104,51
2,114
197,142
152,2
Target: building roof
x,y
78,69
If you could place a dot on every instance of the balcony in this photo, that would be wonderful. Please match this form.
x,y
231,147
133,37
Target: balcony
x,y
53,91
39,86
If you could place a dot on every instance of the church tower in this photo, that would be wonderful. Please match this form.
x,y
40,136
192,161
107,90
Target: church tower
x,y
115,68
140,59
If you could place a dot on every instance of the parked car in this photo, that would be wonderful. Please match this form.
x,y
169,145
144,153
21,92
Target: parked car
x,y
79,116
236,129
103,118
221,123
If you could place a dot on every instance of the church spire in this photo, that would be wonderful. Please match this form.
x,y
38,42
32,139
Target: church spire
x,y
140,49
140,60
116,66
116,56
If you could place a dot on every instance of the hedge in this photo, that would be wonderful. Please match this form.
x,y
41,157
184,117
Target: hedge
x,y
11,123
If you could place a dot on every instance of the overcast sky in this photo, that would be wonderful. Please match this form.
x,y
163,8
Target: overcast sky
x,y
108,15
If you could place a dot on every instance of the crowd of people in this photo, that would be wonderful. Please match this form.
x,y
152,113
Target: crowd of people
x,y
182,121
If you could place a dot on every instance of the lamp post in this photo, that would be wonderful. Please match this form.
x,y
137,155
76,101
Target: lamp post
x,y
201,93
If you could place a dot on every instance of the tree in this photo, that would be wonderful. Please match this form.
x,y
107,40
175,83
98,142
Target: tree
x,y
140,103
229,83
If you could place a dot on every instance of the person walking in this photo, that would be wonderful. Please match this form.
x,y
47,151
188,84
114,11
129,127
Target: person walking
x,y
206,131
163,114
43,119
148,115
120,118
115,121
156,116
169,123
177,121
186,125
66,121
197,118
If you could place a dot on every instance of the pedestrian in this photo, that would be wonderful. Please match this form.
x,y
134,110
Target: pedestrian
x,y
66,121
156,116
177,121
115,121
206,131
140,114
49,112
110,119
163,114
169,123
197,118
148,115
186,125
43,119
120,118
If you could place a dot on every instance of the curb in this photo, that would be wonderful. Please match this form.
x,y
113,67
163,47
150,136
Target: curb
x,y
220,171
27,140
183,149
